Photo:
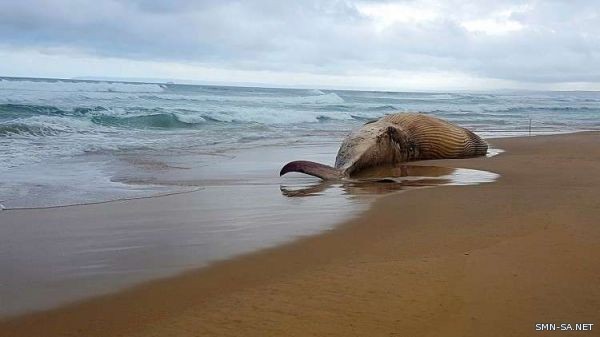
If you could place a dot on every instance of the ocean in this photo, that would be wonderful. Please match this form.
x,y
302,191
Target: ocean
x,y
209,159
66,142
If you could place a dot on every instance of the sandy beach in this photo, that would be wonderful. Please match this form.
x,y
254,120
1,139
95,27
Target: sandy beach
x,y
484,260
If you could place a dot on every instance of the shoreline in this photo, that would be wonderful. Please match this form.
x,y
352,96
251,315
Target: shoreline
x,y
98,248
362,281
153,196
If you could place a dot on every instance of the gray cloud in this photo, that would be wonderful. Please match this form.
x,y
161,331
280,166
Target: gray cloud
x,y
533,41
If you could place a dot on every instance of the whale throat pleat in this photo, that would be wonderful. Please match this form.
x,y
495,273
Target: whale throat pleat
x,y
438,139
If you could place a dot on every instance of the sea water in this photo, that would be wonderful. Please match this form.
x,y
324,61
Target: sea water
x,y
67,142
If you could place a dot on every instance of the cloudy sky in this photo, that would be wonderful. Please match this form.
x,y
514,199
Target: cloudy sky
x,y
393,45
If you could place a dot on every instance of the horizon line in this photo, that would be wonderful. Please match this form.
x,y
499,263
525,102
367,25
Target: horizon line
x,y
165,81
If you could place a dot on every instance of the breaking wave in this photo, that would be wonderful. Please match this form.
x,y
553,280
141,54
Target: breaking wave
x,y
160,121
13,129
42,118
78,86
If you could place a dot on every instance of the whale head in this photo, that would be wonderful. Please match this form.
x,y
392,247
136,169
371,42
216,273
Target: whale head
x,y
375,143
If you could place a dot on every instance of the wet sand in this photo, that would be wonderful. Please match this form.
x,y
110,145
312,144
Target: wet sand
x,y
93,249
485,260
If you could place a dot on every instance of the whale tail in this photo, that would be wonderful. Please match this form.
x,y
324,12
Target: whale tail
x,y
322,171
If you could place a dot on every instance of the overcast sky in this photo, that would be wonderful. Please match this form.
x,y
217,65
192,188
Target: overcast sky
x,y
393,45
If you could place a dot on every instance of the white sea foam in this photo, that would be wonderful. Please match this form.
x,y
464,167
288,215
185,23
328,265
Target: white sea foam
x,y
189,118
330,98
315,92
272,116
53,125
204,98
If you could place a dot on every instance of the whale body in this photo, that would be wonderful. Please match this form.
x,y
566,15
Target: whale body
x,y
394,139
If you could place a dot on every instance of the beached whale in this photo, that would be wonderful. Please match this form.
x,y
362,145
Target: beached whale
x,y
394,139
